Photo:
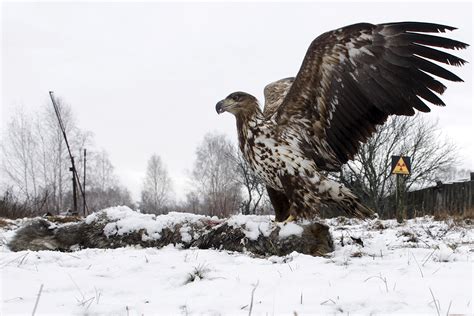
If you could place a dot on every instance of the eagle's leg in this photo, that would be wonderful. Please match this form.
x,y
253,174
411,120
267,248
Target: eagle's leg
x,y
290,219
280,204
301,194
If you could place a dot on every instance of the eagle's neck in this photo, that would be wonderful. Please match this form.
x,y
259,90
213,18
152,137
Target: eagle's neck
x,y
249,126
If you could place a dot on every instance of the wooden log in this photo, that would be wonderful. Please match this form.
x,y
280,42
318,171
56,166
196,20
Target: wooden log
x,y
112,229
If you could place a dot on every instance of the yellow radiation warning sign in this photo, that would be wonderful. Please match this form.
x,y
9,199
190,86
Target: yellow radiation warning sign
x,y
401,165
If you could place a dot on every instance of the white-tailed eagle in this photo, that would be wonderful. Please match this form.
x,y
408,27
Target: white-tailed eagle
x,y
350,81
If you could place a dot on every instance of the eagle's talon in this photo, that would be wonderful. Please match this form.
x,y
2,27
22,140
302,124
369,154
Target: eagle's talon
x,y
289,219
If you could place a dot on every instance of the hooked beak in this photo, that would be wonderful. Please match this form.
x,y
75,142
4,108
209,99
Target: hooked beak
x,y
220,107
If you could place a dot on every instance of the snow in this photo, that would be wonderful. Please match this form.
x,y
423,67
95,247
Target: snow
x,y
444,253
123,220
290,229
252,225
399,270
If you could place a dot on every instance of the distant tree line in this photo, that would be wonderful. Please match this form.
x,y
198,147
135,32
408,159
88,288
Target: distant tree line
x,y
35,165
222,183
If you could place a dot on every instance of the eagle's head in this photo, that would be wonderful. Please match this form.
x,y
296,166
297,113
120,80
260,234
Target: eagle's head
x,y
238,103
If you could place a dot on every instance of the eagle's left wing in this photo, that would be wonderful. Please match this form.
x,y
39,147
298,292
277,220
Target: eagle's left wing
x,y
274,94
353,78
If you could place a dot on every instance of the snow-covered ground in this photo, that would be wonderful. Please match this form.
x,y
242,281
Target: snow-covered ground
x,y
421,266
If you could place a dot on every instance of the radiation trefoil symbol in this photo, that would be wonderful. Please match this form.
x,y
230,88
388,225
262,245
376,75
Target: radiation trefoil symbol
x,y
401,165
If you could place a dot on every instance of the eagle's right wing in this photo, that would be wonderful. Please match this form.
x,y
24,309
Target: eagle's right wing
x,y
353,78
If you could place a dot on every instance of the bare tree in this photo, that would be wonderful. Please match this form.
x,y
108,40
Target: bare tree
x,y
98,199
103,175
369,173
35,162
103,187
253,186
52,156
156,187
18,149
192,203
214,176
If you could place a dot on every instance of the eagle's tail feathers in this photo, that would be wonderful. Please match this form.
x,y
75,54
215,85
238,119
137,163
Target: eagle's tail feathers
x,y
362,211
352,206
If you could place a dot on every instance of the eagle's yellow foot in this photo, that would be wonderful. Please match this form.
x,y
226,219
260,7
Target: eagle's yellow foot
x,y
290,219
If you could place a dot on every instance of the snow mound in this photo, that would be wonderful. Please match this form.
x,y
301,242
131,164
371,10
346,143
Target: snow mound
x,y
252,225
122,220
290,229
444,253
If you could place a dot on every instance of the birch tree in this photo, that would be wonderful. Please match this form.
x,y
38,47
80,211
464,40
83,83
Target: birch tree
x,y
253,186
35,162
156,187
214,176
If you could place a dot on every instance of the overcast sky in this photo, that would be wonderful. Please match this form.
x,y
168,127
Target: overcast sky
x,y
145,77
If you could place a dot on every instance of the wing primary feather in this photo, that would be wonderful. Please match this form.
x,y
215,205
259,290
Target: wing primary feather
x,y
419,104
432,40
427,80
434,69
419,27
428,95
407,77
437,55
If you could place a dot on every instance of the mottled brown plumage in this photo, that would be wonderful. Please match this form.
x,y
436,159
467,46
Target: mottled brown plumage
x,y
350,81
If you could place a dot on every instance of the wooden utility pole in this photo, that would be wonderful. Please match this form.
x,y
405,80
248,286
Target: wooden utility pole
x,y
74,187
76,182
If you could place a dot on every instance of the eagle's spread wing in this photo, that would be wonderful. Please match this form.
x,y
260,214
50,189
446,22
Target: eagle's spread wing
x,y
352,78
274,94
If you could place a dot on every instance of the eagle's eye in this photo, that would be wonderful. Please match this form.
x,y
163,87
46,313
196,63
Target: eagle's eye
x,y
236,96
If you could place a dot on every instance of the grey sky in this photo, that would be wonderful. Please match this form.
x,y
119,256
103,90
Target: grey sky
x,y
145,77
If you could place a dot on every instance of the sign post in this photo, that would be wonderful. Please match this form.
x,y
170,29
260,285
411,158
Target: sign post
x,y
401,167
